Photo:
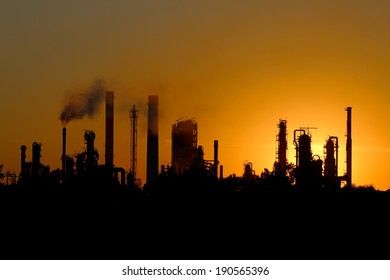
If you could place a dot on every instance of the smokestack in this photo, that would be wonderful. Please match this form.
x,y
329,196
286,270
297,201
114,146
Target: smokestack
x,y
216,157
63,154
23,160
36,159
349,146
152,142
109,129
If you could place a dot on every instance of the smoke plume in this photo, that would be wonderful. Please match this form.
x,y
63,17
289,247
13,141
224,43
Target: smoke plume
x,y
83,104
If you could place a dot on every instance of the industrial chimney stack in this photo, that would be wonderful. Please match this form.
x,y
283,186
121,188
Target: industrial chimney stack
x,y
215,166
109,129
23,160
349,147
152,141
63,154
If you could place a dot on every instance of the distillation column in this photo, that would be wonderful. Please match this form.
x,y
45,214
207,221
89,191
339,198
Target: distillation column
x,y
281,153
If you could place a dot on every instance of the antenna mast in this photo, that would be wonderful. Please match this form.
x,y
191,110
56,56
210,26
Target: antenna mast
x,y
133,142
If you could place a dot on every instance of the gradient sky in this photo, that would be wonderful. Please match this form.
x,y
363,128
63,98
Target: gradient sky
x,y
237,67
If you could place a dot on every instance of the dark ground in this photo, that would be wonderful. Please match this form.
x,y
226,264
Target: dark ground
x,y
187,226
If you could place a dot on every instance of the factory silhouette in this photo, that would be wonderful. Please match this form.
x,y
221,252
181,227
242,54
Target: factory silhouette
x,y
189,171
188,209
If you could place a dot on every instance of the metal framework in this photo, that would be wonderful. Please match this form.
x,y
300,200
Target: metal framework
x,y
133,141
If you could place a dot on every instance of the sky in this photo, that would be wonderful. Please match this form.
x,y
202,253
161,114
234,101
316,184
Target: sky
x,y
236,67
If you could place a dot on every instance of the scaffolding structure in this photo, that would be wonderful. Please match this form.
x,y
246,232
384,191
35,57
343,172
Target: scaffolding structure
x,y
133,141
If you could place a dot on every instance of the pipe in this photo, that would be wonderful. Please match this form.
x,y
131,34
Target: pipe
x,y
215,167
349,147
63,154
133,141
23,149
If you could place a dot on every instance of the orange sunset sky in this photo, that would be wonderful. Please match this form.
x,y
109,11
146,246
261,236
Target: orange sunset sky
x,y
237,67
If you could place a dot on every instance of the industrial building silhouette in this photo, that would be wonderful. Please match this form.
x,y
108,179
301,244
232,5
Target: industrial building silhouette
x,y
188,164
90,211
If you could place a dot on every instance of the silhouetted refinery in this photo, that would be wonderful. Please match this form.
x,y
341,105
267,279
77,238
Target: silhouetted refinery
x,y
190,171
106,201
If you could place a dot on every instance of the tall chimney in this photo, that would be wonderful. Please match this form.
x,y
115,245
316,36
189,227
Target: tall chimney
x,y
215,158
23,160
152,142
349,146
109,129
63,154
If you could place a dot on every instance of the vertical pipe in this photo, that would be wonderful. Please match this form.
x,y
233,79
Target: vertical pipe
x,y
221,172
133,142
152,140
109,129
216,157
349,146
23,160
63,154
